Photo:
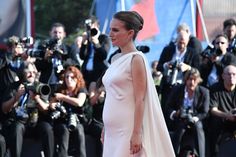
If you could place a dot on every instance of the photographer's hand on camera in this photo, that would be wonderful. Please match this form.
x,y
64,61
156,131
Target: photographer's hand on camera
x,y
60,96
95,40
184,67
230,117
85,38
48,54
195,119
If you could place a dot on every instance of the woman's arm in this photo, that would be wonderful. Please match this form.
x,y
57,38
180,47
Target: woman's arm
x,y
75,101
139,85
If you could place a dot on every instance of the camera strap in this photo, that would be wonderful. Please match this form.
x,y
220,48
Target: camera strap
x,y
23,100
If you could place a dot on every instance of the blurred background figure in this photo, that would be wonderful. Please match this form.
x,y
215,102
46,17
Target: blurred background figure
x,y
94,51
229,28
157,75
75,49
12,62
215,59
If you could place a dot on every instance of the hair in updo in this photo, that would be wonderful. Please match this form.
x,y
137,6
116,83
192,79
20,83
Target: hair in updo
x,y
131,19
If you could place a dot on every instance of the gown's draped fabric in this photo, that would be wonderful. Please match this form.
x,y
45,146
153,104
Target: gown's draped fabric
x,y
118,114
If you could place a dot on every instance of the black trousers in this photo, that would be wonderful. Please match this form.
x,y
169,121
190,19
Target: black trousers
x,y
95,130
181,130
62,134
46,133
16,131
2,146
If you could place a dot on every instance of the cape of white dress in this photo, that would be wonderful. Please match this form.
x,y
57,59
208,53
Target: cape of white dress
x,y
156,139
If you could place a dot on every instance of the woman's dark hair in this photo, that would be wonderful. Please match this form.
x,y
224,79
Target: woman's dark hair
x,y
131,19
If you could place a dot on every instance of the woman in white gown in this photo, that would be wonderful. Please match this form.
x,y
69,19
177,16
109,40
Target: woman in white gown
x,y
133,121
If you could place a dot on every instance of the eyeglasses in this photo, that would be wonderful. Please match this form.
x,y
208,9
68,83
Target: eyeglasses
x,y
221,42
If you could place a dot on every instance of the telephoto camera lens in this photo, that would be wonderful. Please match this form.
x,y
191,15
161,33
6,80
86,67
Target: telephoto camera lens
x,y
72,121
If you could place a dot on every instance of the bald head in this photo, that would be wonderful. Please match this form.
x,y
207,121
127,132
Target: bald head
x,y
229,77
229,68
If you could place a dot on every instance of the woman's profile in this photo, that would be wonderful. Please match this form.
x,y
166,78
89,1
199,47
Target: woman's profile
x,y
133,121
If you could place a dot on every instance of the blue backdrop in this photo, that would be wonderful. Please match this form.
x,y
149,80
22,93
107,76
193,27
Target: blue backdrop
x,y
169,14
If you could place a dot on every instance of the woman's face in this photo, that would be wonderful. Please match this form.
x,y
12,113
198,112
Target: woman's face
x,y
70,80
8,14
119,34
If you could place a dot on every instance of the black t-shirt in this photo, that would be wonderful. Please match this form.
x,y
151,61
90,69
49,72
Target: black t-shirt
x,y
221,98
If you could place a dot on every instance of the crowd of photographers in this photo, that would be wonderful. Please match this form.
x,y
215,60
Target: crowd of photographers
x,y
45,92
197,92
53,92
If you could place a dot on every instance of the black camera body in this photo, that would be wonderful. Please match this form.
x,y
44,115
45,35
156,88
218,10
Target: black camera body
x,y
72,121
60,112
210,52
187,115
90,31
172,72
52,44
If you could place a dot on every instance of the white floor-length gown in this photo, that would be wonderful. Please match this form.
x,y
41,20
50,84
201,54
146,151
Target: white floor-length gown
x,y
118,114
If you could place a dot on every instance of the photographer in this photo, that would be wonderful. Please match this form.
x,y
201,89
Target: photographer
x,y
229,28
215,59
222,108
11,62
94,51
174,61
53,55
22,107
67,126
188,105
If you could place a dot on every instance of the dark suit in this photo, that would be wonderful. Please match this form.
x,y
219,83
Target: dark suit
x,y
195,44
200,109
100,55
191,58
207,66
45,66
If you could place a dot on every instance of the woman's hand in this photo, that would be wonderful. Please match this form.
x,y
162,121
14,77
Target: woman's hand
x,y
135,143
59,96
102,136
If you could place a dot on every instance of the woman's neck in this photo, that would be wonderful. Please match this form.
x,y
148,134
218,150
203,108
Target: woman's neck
x,y
69,91
128,48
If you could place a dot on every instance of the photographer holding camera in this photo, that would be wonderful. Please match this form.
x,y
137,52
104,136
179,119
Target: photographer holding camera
x,y
71,97
11,62
24,109
94,51
188,105
174,61
229,28
215,59
222,108
53,55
